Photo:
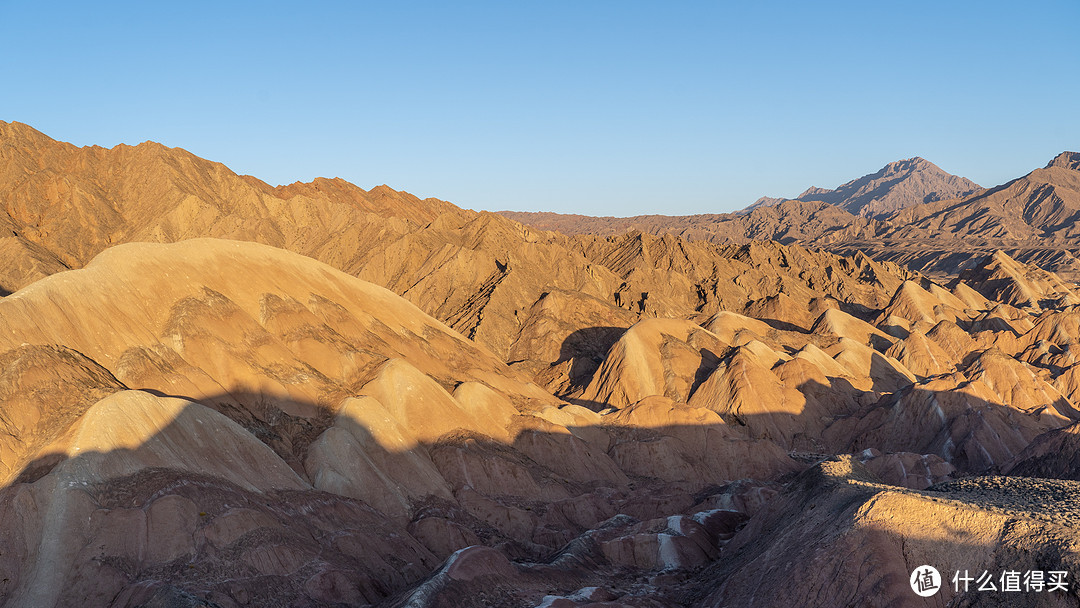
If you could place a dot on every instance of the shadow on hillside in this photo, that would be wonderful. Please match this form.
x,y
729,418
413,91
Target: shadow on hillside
x,y
337,514
586,348
978,436
592,342
835,541
782,325
334,514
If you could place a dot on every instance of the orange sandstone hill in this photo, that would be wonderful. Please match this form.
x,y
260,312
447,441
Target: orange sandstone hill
x,y
219,393
490,279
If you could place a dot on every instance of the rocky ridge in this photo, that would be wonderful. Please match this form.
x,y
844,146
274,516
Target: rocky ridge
x,y
897,185
1031,218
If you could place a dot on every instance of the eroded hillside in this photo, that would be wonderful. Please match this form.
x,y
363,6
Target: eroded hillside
x,y
360,398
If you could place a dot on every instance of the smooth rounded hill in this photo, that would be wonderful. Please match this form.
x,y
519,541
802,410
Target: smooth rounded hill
x,y
233,422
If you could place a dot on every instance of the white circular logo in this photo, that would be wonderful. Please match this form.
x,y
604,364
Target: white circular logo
x,y
925,581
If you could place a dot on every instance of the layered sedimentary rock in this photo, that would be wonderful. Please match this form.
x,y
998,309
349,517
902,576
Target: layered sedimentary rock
x,y
368,399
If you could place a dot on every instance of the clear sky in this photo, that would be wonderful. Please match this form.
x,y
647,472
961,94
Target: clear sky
x,y
601,108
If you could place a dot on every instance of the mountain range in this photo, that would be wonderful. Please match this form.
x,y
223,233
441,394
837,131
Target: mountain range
x,y
897,185
893,215
219,393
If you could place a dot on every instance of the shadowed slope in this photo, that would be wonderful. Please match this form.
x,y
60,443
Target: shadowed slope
x,y
849,540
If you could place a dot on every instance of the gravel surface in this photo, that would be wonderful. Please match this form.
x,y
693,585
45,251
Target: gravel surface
x,y
1053,500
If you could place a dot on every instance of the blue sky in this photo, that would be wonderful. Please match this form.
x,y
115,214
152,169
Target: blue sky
x,y
601,108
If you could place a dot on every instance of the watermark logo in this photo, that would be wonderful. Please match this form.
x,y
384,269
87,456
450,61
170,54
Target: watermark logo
x,y
925,581
1032,581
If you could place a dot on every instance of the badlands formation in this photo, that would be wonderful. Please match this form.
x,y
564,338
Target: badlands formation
x,y
220,393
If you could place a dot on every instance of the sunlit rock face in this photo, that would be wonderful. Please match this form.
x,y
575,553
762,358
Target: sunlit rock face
x,y
408,404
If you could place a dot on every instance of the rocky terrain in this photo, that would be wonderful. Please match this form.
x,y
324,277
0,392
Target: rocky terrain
x,y
910,213
220,393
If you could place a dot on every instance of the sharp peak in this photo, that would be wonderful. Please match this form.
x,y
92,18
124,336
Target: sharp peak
x,y
1068,160
14,124
338,182
999,256
149,143
385,189
20,128
916,162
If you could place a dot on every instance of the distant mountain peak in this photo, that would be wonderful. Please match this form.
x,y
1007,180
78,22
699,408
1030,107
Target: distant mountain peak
x,y
765,201
20,132
1068,160
915,163
811,191
899,184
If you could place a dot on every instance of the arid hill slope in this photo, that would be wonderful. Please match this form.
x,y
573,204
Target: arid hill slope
x,y
485,276
209,413
275,430
368,399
